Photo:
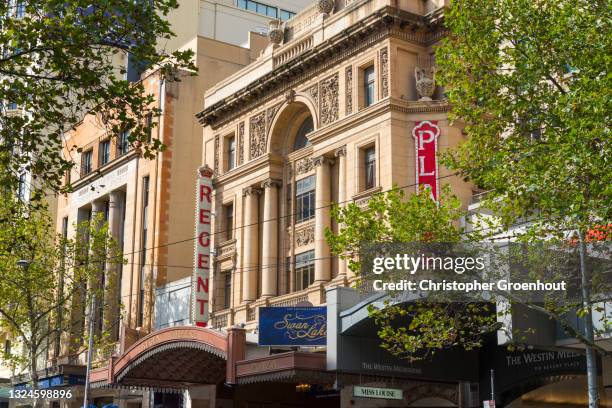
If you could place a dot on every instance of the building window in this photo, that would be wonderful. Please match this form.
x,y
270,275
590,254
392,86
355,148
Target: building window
x,y
143,248
305,199
22,187
304,270
286,15
369,166
368,86
20,9
227,290
260,8
300,138
86,162
149,126
123,143
104,152
228,213
231,152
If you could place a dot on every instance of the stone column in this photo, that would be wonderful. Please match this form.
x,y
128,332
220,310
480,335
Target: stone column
x,y
97,210
250,262
269,272
113,267
340,154
322,218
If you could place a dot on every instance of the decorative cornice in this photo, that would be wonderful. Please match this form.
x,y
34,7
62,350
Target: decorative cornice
x,y
384,23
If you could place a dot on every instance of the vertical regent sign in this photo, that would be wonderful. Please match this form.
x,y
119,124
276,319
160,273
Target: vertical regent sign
x,y
425,134
201,273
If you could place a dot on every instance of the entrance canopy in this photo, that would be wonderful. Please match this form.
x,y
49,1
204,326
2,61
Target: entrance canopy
x,y
176,357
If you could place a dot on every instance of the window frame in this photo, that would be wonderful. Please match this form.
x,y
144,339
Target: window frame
x,y
104,152
310,195
86,165
369,85
369,162
304,262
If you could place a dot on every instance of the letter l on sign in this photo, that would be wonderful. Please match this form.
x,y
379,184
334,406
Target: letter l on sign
x,y
425,134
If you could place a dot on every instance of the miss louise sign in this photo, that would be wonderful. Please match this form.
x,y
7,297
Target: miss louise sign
x,y
201,274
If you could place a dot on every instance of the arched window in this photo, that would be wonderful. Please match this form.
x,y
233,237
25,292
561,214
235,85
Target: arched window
x,y
300,138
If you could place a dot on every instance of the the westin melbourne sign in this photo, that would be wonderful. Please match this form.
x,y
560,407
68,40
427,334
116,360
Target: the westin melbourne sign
x,y
293,326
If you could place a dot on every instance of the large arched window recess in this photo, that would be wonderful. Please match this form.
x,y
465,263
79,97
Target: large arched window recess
x,y
301,139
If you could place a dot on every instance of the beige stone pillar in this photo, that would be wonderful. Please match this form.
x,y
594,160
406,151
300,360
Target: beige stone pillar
x,y
113,268
250,262
97,208
340,154
269,259
322,217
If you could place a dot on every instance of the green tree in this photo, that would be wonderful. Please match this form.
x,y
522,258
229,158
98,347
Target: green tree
x,y
410,329
530,81
47,281
58,62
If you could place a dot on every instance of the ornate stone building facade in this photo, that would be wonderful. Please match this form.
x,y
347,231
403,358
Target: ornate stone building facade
x,y
326,115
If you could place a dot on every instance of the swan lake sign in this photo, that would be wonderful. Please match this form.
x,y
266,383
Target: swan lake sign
x,y
293,326
380,393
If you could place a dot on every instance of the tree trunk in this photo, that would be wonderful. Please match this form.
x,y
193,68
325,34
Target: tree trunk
x,y
591,358
33,369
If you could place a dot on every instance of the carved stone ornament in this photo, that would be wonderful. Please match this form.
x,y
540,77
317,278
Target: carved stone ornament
x,y
313,91
341,151
268,183
304,236
257,135
275,32
271,113
384,72
329,100
321,160
241,143
290,96
303,166
425,82
251,191
325,7
349,89
216,162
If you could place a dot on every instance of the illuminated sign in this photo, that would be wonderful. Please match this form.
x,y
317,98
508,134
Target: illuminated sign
x,y
293,326
201,274
380,393
425,134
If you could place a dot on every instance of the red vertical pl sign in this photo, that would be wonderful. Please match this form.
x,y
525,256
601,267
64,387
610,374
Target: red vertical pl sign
x,y
425,134
200,287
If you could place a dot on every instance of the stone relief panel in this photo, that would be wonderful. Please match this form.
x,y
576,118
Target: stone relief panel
x,y
303,166
257,135
241,143
313,91
304,236
216,160
270,114
329,100
384,72
349,89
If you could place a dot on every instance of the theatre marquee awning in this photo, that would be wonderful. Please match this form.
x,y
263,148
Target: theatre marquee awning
x,y
176,357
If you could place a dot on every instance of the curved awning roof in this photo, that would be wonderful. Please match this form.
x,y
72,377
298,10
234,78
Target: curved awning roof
x,y
170,358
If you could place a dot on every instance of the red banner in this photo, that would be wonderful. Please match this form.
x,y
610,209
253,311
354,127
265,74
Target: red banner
x,y
425,134
200,281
